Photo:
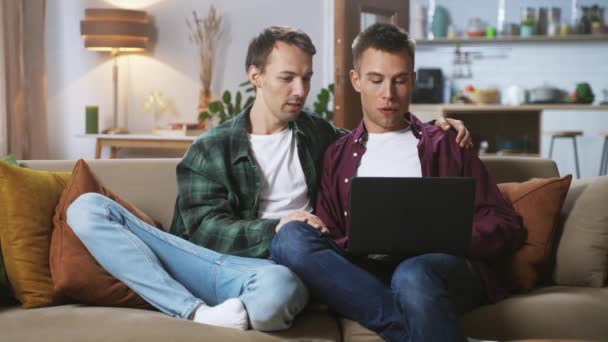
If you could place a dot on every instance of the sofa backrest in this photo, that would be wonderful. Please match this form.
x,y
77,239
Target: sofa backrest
x,y
150,184
519,169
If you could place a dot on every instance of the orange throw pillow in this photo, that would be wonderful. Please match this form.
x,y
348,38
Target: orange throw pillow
x,y
539,202
75,272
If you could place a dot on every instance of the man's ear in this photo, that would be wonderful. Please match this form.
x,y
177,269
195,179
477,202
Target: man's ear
x,y
254,74
355,80
413,78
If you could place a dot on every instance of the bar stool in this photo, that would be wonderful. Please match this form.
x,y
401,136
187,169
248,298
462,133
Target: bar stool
x,y
604,162
568,135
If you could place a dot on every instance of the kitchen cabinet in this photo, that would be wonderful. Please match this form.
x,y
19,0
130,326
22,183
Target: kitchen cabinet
x,y
507,129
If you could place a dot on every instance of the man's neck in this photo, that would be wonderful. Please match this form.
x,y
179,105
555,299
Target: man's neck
x,y
374,129
262,122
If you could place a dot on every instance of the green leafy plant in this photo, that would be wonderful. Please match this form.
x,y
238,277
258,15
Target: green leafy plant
x,y
10,159
321,105
527,22
584,94
225,109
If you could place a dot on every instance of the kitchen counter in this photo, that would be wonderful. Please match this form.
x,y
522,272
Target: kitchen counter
x,y
507,129
442,108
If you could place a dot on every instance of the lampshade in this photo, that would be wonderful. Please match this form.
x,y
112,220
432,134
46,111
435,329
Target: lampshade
x,y
117,30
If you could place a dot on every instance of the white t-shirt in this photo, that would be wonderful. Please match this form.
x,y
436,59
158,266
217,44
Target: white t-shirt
x,y
392,154
283,183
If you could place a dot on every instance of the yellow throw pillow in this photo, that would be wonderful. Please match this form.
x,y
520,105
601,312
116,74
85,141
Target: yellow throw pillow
x,y
28,200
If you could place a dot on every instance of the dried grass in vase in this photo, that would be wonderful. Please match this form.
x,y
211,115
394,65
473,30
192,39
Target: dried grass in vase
x,y
205,34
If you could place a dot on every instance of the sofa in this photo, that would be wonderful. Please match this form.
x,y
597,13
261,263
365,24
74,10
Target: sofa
x,y
548,311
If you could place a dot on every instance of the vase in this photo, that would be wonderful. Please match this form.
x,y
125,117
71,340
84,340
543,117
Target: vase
x,y
204,99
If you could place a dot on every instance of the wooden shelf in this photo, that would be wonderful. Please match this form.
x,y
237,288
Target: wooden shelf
x,y
516,39
503,108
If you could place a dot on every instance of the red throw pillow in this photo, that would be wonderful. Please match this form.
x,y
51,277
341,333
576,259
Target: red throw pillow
x,y
76,274
539,202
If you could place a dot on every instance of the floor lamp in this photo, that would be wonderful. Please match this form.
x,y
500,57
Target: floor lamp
x,y
115,31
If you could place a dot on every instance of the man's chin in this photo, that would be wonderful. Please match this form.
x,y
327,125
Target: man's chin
x,y
291,115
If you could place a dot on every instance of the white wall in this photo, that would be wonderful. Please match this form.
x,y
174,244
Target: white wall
x,y
77,77
529,65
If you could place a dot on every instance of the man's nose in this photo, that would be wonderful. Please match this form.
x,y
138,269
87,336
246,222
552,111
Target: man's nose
x,y
298,88
388,90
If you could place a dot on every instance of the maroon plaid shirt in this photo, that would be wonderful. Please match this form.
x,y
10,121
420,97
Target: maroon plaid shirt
x,y
497,228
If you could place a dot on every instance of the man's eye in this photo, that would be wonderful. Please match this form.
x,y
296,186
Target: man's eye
x,y
401,80
376,81
306,79
286,78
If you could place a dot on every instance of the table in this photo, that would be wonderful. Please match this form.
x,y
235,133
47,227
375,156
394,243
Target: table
x,y
117,141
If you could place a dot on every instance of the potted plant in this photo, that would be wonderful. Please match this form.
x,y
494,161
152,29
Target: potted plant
x,y
324,104
225,109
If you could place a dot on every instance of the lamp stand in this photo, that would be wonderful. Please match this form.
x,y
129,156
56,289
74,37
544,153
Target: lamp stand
x,y
115,129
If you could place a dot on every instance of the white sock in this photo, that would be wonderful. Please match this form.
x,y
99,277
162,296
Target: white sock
x,y
229,314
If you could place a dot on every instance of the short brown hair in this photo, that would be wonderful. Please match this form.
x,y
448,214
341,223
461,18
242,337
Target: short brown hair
x,y
383,37
261,46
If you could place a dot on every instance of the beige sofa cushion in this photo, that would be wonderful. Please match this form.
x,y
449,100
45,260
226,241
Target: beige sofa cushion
x,y
519,169
149,184
355,332
99,324
582,253
551,312
564,312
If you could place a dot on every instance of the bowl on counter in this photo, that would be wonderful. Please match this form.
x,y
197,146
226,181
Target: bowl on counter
x,y
546,94
482,96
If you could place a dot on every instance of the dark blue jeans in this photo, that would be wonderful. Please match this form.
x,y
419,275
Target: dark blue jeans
x,y
422,301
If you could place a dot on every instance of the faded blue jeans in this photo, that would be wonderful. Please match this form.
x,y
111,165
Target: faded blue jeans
x,y
420,299
176,276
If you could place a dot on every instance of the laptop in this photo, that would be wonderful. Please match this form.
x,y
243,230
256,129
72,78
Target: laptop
x,y
411,216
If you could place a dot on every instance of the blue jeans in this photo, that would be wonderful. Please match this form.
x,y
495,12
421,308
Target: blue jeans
x,y
421,301
177,276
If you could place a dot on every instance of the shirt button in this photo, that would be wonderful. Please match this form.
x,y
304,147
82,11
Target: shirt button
x,y
345,213
355,154
345,180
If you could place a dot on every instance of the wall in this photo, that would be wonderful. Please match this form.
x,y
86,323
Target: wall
x,y
530,65
78,77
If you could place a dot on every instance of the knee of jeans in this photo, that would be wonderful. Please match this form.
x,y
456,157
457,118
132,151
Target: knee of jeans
x,y
416,273
86,209
292,242
284,296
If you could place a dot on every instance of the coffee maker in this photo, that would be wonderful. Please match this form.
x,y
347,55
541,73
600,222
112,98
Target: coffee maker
x,y
429,86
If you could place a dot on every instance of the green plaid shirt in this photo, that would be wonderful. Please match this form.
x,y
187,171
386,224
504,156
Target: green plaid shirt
x,y
219,185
